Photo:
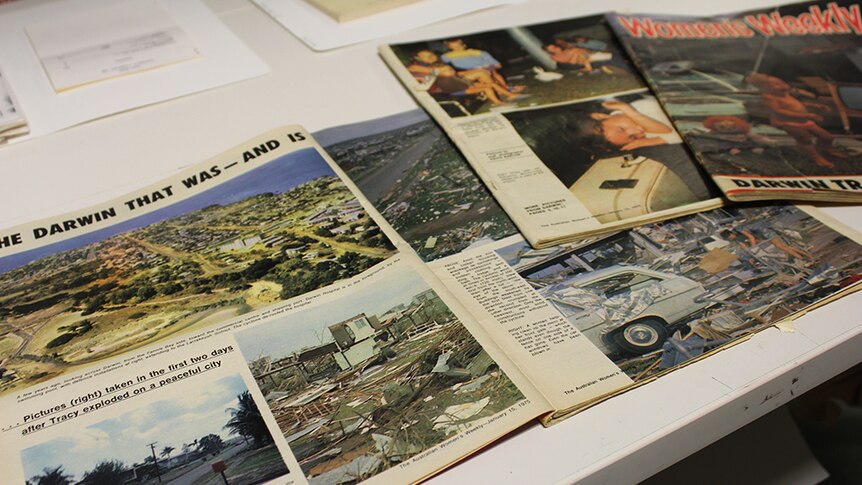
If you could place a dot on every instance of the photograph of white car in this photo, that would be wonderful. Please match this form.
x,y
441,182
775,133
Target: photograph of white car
x,y
662,294
629,308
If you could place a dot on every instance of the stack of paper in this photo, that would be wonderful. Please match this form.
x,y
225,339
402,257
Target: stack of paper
x,y
12,121
73,61
345,10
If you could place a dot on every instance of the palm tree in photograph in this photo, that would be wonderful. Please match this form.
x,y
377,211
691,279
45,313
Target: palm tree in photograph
x,y
166,453
247,421
106,472
210,444
52,476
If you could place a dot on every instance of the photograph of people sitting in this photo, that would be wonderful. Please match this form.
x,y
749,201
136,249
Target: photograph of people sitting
x,y
580,53
767,125
443,78
520,67
800,119
467,60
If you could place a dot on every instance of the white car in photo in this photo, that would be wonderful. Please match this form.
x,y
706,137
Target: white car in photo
x,y
626,308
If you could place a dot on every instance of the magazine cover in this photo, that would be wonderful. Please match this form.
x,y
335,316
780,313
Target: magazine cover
x,y
559,126
769,100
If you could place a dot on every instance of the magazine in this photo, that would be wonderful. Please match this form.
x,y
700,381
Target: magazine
x,y
767,99
558,125
257,317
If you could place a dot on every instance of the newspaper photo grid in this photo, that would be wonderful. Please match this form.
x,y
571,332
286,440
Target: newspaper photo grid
x,y
651,298
262,280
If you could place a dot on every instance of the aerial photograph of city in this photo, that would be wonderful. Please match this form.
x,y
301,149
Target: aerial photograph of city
x,y
278,231
407,167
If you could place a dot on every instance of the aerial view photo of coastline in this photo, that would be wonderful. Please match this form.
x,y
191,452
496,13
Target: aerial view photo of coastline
x,y
275,232
407,167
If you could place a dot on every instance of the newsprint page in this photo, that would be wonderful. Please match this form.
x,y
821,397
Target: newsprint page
x,y
769,99
558,125
245,320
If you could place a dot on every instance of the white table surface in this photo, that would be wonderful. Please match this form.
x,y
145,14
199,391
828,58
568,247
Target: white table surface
x,y
623,440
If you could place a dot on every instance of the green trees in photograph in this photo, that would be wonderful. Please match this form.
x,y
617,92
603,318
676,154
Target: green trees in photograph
x,y
106,472
211,444
247,421
52,476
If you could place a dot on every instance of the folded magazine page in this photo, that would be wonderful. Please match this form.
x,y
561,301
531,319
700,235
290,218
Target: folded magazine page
x,y
558,125
588,320
767,99
248,319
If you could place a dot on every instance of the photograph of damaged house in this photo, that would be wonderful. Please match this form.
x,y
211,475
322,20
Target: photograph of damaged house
x,y
362,384
659,295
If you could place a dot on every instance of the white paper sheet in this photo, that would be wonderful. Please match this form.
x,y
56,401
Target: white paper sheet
x,y
321,32
10,114
103,43
346,10
224,60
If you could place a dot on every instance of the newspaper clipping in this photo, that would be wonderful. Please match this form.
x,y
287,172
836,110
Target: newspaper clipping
x,y
255,318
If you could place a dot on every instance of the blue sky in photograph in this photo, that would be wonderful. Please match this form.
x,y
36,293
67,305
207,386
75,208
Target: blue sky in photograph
x,y
286,335
279,175
168,422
